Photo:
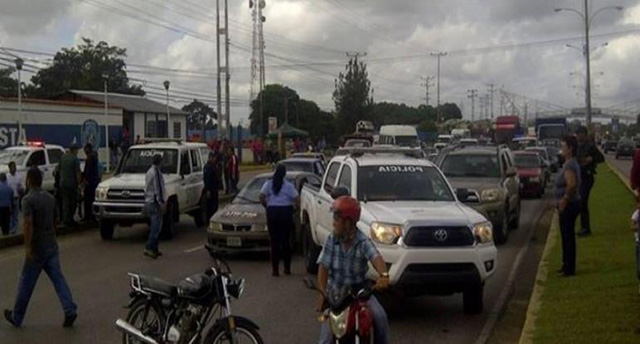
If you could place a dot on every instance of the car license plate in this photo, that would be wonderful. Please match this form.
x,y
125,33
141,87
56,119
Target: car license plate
x,y
234,242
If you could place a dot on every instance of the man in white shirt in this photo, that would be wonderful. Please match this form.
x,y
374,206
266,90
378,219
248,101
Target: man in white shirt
x,y
15,181
154,198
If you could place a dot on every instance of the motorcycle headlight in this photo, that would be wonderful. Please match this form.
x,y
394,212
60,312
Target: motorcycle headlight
x,y
490,195
385,233
215,227
259,228
483,232
101,193
338,322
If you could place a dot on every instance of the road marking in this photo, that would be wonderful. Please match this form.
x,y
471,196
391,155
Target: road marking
x,y
191,250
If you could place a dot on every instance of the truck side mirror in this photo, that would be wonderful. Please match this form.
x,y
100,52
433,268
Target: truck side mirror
x,y
462,194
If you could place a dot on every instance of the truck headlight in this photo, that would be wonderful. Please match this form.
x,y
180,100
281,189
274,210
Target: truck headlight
x,y
490,195
215,227
385,233
483,232
101,193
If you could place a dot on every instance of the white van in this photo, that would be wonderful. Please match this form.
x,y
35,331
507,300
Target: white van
x,y
399,135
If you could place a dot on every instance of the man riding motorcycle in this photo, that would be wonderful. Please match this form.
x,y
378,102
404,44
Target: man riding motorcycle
x,y
343,262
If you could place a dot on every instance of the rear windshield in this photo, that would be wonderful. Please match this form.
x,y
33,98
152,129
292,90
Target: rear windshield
x,y
527,160
402,183
15,155
406,141
139,160
298,166
250,194
469,165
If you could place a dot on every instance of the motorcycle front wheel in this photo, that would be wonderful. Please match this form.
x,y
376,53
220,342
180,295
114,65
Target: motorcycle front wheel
x,y
244,334
146,317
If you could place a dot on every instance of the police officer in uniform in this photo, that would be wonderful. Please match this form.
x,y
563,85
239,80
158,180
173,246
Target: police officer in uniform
x,y
588,157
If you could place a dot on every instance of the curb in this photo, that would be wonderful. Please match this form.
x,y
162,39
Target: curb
x,y
507,291
619,174
526,336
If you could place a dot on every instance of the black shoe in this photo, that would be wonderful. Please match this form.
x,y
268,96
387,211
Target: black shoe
x,y
9,316
584,233
565,274
287,272
151,254
69,320
158,253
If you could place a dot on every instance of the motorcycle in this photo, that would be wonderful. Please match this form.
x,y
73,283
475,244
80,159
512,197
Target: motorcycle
x,y
350,318
165,313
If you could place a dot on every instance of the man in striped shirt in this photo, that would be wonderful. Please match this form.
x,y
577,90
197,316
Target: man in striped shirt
x,y
155,205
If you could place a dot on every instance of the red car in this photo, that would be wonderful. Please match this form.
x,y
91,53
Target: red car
x,y
531,170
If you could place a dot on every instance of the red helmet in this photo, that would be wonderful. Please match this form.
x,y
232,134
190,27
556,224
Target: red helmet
x,y
346,207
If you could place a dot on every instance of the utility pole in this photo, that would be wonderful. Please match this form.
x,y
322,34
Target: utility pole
x,y
286,110
166,87
223,117
19,62
491,91
227,103
219,71
105,76
257,60
501,102
426,85
439,55
473,94
526,113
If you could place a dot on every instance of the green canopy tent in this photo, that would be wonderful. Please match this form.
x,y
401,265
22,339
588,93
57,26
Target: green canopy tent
x,y
288,132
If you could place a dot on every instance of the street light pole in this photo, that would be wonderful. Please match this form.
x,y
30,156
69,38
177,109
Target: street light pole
x,y
19,62
106,121
166,87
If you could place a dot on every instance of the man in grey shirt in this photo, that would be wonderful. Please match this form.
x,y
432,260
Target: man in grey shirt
x,y
38,211
155,205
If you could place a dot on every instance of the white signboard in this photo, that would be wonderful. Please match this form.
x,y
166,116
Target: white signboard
x,y
273,124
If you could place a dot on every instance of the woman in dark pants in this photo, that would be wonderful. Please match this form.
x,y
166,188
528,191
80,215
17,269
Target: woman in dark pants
x,y
279,197
568,201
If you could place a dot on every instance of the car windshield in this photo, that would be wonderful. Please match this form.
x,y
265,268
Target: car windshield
x,y
402,183
140,159
406,141
471,165
250,194
15,155
527,160
298,166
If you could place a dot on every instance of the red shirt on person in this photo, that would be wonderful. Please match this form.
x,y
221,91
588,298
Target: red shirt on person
x,y
634,177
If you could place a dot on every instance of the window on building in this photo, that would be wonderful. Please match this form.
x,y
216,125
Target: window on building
x,y
177,130
161,125
150,125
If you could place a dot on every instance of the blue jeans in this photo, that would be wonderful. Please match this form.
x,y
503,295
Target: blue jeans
x,y
14,218
154,210
380,325
50,263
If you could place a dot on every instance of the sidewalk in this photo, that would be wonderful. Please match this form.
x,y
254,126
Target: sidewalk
x,y
601,303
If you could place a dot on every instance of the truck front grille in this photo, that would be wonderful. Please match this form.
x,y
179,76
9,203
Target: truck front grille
x,y
439,237
125,195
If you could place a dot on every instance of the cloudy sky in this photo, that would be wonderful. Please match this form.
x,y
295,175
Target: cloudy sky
x,y
517,45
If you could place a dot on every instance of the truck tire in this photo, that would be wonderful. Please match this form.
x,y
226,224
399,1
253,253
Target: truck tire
x,y
501,231
106,229
168,223
310,250
473,300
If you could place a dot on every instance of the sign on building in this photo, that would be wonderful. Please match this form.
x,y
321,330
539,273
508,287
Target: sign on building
x,y
273,124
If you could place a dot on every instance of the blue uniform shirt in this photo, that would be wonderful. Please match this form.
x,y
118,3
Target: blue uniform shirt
x,y
6,195
284,198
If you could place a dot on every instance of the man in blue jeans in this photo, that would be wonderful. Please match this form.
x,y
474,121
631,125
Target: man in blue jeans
x,y
38,211
154,195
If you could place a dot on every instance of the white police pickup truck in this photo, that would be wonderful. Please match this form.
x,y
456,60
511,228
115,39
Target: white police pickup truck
x,y
120,199
45,156
431,242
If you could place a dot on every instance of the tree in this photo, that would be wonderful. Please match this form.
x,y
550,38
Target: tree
x,y
8,85
450,111
427,127
82,68
273,98
351,96
199,114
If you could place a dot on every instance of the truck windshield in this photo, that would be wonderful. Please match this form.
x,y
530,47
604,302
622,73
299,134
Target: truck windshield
x,y
15,155
139,160
402,183
527,160
406,141
469,165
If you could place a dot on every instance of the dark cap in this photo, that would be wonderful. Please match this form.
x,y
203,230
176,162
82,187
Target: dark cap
x,y
157,159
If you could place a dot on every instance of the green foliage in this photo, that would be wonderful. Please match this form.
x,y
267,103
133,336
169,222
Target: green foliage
x,y
82,68
392,113
351,96
8,84
199,113
450,111
428,127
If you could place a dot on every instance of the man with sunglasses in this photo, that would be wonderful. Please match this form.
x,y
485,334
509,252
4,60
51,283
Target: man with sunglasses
x,y
343,262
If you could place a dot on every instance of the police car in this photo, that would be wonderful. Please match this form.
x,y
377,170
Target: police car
x,y
46,157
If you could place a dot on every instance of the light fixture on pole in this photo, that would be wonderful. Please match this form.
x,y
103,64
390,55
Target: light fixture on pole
x,y
19,62
166,84
105,78
588,20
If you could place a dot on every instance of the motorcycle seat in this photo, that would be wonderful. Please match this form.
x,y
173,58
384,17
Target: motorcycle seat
x,y
157,286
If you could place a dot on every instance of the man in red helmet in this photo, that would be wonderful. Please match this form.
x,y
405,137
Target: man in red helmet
x,y
343,262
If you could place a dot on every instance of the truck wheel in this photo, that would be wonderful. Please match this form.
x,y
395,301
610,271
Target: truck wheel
x,y
168,223
501,231
311,251
106,229
473,300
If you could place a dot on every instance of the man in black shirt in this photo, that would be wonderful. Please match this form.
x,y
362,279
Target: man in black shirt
x,y
91,176
211,176
589,157
38,211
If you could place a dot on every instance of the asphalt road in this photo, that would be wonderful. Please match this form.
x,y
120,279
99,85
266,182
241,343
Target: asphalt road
x,y
623,164
283,307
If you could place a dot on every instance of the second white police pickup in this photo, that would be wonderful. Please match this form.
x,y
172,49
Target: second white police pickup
x,y
431,242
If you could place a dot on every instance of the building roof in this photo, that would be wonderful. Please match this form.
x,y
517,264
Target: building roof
x,y
129,102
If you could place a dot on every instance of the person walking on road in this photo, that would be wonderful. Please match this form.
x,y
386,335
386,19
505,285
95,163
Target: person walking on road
x,y
589,157
16,183
233,170
280,196
91,177
211,175
568,203
69,180
6,205
155,205
38,216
